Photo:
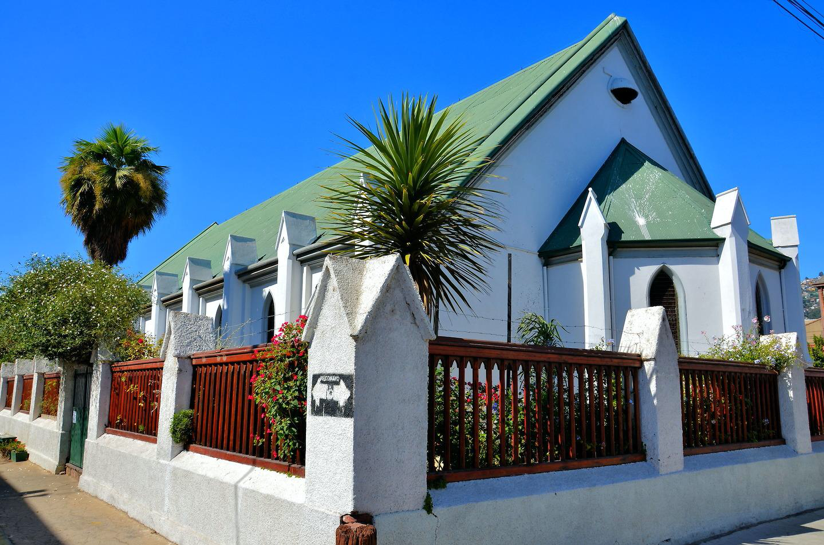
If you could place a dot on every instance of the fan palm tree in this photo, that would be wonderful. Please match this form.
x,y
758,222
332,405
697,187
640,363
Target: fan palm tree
x,y
416,191
112,191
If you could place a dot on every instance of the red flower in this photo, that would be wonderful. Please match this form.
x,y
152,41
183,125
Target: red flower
x,y
251,397
294,377
280,392
139,340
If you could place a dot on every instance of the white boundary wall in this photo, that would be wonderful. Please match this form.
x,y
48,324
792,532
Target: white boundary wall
x,y
46,438
367,327
630,504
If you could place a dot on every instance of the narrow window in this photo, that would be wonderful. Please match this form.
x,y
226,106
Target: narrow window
x,y
270,318
762,307
662,294
219,321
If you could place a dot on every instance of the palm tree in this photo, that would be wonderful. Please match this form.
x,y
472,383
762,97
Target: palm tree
x,y
112,191
417,192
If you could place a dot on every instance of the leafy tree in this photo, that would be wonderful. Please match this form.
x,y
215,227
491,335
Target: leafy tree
x,y
112,191
416,192
65,308
817,351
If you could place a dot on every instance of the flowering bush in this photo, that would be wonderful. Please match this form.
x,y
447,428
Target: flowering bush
x,y
135,345
279,386
748,346
60,307
11,446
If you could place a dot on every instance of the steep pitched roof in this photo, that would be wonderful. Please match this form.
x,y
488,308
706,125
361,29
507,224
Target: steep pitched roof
x,y
643,203
499,112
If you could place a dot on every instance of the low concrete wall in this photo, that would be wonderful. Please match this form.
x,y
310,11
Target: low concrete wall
x,y
195,499
631,504
46,444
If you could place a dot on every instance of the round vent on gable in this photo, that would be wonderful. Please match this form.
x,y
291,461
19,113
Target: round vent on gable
x,y
622,90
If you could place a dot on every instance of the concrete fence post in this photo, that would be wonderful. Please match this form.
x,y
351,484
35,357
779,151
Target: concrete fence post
x,y
647,332
100,397
792,398
36,396
6,372
368,374
21,368
187,334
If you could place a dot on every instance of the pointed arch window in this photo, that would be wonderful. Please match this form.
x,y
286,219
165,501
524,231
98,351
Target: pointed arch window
x,y
219,321
662,293
762,306
269,305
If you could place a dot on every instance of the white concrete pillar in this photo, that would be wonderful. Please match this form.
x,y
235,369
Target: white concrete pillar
x,y
163,284
595,271
22,367
65,402
195,272
188,333
36,396
647,332
295,231
730,222
6,372
100,397
785,239
236,319
792,397
367,414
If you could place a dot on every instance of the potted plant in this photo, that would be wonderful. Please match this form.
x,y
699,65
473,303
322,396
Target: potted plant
x,y
15,451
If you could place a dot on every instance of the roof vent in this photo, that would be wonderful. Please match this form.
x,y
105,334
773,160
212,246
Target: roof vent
x,y
622,90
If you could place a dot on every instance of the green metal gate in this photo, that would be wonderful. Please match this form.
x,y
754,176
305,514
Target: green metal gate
x,y
80,416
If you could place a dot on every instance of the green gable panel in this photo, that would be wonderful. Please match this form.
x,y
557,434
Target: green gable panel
x,y
642,203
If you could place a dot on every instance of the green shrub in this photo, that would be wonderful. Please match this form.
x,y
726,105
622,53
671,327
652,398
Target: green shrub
x,y
61,307
535,330
183,427
817,351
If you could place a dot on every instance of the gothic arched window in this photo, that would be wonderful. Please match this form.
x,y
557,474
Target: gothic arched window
x,y
662,293
269,306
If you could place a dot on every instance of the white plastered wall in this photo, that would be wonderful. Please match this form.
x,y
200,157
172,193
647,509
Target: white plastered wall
x,y
772,287
565,301
696,281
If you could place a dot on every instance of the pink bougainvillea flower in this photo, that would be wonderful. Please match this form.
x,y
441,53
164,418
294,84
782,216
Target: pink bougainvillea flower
x,y
251,397
294,377
139,340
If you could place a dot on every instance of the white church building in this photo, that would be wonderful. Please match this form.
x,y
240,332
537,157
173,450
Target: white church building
x,y
607,209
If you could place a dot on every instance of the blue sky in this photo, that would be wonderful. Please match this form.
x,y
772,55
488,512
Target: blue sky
x,y
243,98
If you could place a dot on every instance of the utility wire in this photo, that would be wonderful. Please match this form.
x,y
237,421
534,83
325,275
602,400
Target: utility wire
x,y
804,11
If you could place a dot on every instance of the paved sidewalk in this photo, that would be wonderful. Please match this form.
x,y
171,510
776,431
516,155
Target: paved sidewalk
x,y
804,529
39,508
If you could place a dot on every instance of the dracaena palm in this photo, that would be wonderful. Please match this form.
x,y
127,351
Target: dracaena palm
x,y
112,191
418,190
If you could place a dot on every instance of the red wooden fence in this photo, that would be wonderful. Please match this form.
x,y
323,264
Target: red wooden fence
x,y
51,394
226,420
508,409
728,405
134,407
9,392
815,402
25,399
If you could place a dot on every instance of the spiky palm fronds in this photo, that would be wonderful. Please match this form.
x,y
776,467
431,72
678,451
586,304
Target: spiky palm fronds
x,y
112,191
414,191
535,330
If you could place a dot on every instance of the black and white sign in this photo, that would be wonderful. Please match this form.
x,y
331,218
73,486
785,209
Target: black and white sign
x,y
332,395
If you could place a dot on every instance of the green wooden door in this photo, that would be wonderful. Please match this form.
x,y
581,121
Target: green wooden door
x,y
80,416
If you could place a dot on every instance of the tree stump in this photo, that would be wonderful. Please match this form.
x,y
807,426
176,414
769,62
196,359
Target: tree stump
x,y
356,529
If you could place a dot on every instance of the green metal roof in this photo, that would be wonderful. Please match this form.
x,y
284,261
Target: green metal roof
x,y
643,203
499,111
